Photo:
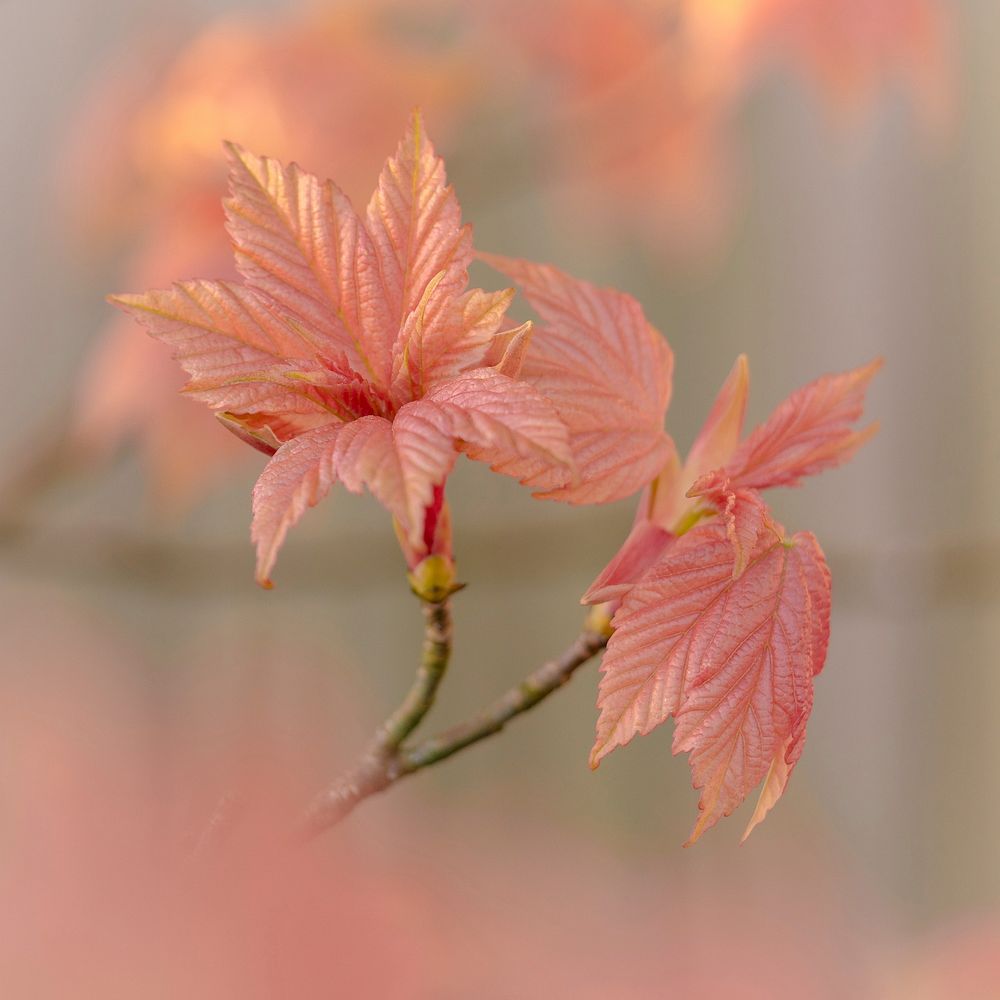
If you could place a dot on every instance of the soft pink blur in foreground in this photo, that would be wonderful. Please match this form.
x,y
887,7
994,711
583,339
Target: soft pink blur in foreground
x,y
102,898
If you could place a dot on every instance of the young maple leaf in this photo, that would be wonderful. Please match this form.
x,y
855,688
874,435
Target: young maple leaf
x,y
354,352
608,372
723,625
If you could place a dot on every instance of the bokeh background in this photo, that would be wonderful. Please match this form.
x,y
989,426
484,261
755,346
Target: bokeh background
x,y
810,183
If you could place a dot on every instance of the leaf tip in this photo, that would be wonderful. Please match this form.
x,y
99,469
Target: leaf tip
x,y
598,752
265,563
239,159
867,433
416,129
873,367
705,820
740,374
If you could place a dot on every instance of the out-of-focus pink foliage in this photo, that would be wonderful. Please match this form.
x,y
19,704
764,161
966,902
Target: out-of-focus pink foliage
x,y
131,388
354,353
723,626
855,49
326,83
102,777
329,86
102,897
642,93
961,959
647,92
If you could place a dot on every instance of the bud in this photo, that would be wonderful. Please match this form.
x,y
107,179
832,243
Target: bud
x,y
433,579
599,618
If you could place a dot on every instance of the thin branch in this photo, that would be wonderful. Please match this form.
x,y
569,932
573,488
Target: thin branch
x,y
376,768
385,761
433,663
534,688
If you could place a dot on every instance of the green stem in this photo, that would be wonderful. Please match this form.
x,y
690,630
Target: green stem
x,y
433,664
534,688
375,769
387,759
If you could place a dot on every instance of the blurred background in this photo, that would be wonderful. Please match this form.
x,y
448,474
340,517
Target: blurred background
x,y
810,183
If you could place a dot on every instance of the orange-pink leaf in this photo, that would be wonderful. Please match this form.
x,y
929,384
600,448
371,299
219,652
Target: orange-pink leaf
x,y
487,415
302,472
608,372
298,241
217,330
507,350
810,431
416,225
644,546
361,454
732,659
720,434
713,447
493,419
817,579
746,517
445,334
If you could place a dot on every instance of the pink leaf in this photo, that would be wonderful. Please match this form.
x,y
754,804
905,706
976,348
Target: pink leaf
x,y
644,668
746,517
732,659
810,431
302,472
399,463
607,371
416,225
267,432
355,351
817,579
280,388
713,447
644,546
493,419
720,435
507,350
444,335
233,345
298,240
217,331
776,779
